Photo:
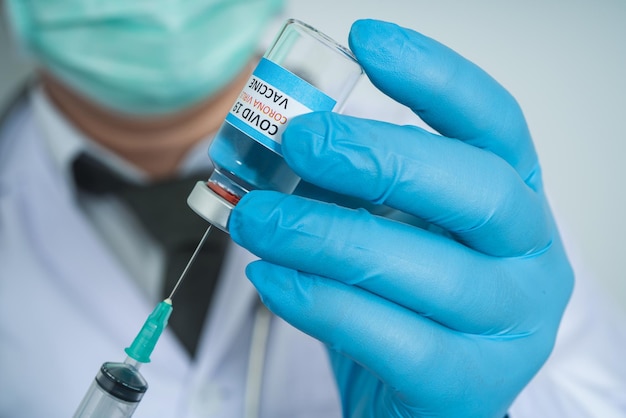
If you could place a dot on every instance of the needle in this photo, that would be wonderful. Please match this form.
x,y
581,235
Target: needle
x,y
190,262
146,340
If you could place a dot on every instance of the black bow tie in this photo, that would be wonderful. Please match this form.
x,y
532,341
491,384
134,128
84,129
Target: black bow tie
x,y
161,208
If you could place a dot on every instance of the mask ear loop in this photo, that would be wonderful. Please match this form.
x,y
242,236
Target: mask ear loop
x,y
15,24
256,360
17,100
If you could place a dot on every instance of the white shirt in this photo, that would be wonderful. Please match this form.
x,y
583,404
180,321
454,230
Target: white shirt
x,y
139,253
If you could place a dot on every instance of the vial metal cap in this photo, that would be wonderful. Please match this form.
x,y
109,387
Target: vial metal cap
x,y
210,206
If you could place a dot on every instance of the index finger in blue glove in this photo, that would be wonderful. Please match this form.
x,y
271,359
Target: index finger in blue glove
x,y
451,94
422,271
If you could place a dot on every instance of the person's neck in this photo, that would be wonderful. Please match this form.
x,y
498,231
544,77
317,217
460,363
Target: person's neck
x,y
156,145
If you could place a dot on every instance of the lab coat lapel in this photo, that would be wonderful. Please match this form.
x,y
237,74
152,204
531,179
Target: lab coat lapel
x,y
60,232
232,306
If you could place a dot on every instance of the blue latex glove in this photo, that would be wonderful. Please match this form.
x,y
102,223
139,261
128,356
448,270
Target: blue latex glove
x,y
418,324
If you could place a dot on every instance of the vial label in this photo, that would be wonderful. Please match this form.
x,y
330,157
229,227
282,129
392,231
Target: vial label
x,y
272,96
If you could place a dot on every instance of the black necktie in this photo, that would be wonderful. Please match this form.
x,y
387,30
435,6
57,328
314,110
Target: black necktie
x,y
161,207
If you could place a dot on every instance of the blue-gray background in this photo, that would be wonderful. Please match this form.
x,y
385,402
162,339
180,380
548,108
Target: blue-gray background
x,y
565,62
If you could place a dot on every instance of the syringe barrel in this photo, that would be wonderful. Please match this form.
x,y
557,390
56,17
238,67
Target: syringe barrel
x,y
114,393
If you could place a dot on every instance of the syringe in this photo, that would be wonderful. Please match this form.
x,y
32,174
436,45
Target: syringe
x,y
118,387
246,155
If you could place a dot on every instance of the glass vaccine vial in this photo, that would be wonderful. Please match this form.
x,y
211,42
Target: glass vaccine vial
x,y
302,71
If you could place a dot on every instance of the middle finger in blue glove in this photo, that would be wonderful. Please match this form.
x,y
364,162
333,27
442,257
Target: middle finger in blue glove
x,y
426,369
472,193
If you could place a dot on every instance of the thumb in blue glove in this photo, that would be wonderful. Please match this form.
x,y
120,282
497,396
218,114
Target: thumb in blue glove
x,y
418,324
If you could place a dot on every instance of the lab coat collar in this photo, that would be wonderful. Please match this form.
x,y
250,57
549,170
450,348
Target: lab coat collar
x,y
232,306
59,230
64,239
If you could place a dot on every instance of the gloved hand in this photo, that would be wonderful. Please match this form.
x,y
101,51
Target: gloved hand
x,y
452,323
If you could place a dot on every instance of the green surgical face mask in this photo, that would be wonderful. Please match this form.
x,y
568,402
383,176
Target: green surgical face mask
x,y
144,57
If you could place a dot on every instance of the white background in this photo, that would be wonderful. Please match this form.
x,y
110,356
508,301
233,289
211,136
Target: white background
x,y
565,62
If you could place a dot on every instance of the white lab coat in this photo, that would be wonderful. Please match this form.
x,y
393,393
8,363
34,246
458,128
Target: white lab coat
x,y
66,306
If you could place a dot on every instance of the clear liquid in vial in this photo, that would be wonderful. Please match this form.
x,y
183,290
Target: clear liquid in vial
x,y
243,164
